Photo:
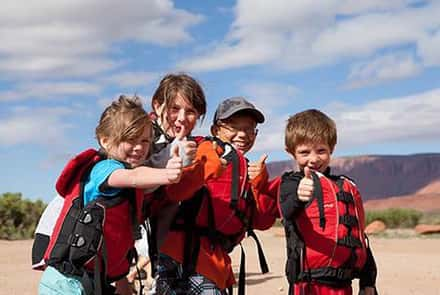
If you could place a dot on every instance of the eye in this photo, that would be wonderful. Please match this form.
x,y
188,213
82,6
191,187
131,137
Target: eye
x,y
322,151
303,152
175,109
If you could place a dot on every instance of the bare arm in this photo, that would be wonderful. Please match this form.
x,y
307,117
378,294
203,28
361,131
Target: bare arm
x,y
144,177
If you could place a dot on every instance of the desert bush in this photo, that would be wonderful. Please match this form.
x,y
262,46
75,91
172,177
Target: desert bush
x,y
395,217
430,218
18,217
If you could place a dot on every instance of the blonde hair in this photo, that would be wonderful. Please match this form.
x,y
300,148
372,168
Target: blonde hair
x,y
123,120
310,126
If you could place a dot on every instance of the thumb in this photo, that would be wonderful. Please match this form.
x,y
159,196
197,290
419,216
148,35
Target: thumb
x,y
174,152
263,159
214,145
307,172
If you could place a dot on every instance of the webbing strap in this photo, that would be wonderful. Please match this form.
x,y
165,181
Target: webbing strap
x,y
348,220
340,274
242,274
317,191
263,262
233,158
350,242
345,197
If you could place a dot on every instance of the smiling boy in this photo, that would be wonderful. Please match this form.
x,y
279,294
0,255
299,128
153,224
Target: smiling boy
x,y
323,215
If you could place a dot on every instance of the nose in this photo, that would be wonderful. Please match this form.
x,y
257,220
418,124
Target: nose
x,y
313,158
138,147
181,115
241,133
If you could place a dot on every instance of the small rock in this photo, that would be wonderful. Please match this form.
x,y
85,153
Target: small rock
x,y
425,229
375,227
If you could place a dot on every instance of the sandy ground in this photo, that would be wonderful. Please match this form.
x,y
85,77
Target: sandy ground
x,y
406,266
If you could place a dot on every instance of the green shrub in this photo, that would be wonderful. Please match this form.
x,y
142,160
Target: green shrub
x,y
430,218
18,217
395,217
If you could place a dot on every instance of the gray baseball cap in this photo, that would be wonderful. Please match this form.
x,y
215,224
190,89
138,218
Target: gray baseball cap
x,y
233,105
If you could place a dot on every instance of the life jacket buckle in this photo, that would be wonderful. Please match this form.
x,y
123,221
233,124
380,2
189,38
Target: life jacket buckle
x,y
78,241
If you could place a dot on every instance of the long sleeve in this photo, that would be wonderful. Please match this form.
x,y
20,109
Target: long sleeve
x,y
289,202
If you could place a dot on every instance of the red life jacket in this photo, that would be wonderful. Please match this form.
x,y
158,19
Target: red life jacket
x,y
327,237
103,230
222,211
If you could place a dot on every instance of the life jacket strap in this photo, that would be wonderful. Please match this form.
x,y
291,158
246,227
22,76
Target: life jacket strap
x,y
350,242
317,193
348,220
327,273
262,259
345,197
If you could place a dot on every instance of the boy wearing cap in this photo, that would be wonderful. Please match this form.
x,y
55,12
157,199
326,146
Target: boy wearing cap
x,y
194,257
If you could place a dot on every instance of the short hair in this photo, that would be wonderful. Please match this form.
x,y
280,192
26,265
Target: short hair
x,y
123,120
183,84
310,126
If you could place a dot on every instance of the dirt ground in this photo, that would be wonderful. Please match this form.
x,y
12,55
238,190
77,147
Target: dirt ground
x,y
406,266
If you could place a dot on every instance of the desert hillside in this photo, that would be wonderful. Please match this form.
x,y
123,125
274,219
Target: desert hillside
x,y
407,181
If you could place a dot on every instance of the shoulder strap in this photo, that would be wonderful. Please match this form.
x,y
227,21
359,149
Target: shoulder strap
x,y
317,193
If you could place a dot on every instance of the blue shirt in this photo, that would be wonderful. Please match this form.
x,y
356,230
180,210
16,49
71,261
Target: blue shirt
x,y
99,174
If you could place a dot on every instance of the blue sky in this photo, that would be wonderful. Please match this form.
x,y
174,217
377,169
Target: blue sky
x,y
372,65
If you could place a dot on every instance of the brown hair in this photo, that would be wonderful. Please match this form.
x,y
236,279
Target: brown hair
x,y
310,126
186,86
123,120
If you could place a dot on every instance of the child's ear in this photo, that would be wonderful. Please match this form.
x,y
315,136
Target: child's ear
x,y
158,108
105,143
214,130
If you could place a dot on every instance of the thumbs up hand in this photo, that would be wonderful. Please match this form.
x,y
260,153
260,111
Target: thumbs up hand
x,y
305,187
174,165
187,150
256,168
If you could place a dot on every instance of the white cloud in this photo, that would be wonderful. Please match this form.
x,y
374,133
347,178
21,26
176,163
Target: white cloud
x,y
50,91
429,49
384,68
43,126
404,119
130,79
295,35
270,97
409,118
62,37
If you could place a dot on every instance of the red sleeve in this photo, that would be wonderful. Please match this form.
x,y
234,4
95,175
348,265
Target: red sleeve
x,y
208,165
191,181
266,205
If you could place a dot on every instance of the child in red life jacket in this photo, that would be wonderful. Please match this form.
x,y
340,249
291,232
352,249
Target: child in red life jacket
x,y
124,134
195,257
322,214
177,103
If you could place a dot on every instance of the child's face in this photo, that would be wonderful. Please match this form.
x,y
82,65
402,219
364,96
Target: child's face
x,y
180,119
238,130
316,156
133,152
